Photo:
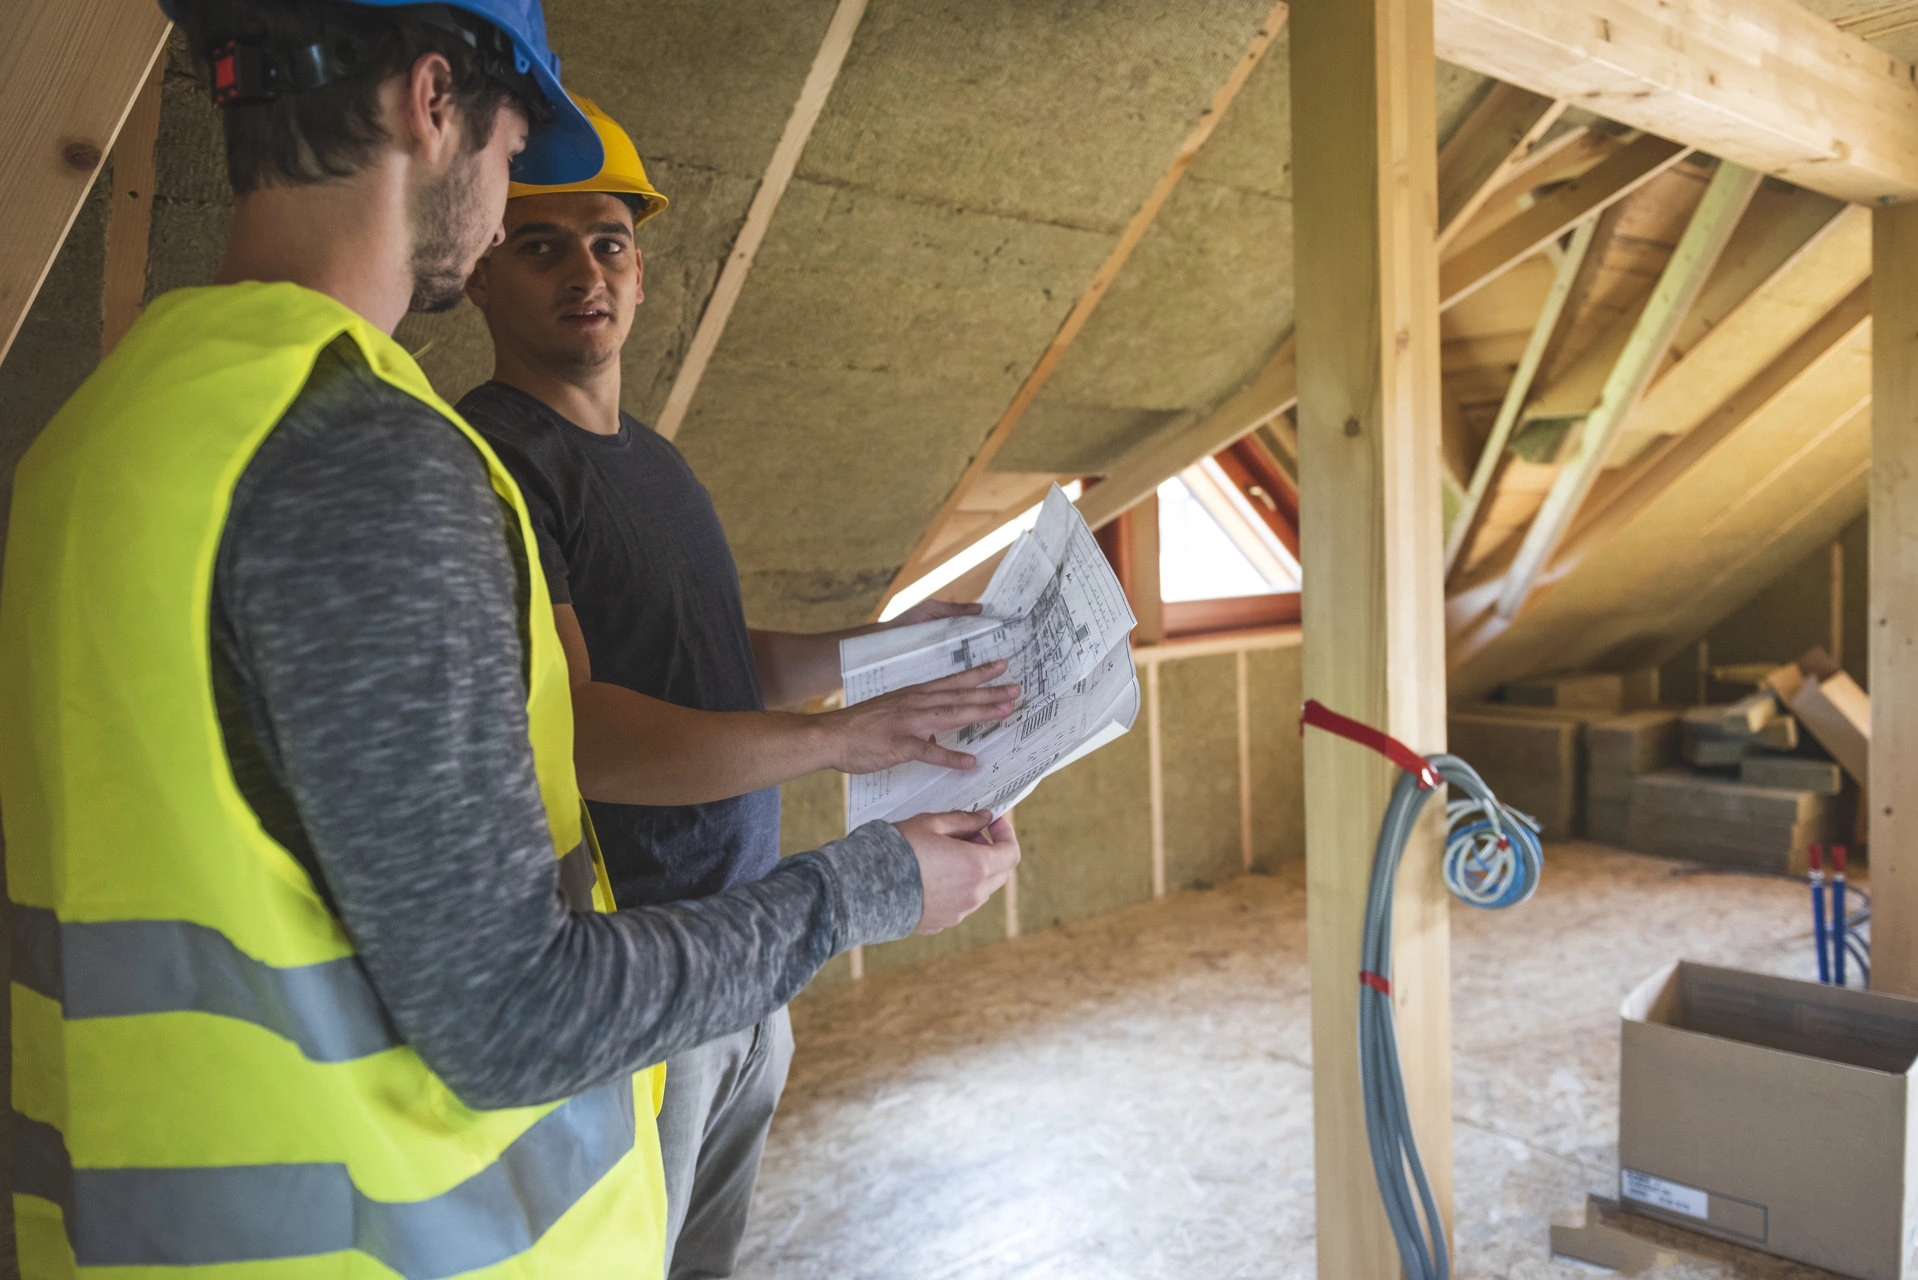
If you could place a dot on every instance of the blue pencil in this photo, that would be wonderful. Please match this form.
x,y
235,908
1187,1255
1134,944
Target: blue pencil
x,y
1818,910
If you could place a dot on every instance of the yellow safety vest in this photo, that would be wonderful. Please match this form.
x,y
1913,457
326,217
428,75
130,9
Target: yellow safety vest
x,y
205,1081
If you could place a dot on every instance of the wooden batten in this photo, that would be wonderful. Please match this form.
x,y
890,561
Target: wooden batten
x,y
820,79
1365,177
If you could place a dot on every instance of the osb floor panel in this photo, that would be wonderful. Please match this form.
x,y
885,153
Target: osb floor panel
x,y
1129,1097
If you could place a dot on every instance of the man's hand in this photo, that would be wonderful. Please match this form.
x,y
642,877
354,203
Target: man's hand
x,y
928,610
896,727
963,859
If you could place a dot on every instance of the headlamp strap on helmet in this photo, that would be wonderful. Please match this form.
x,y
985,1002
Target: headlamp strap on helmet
x,y
246,72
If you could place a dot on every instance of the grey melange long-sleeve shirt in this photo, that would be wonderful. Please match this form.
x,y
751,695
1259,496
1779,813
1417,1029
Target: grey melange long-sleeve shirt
x,y
369,671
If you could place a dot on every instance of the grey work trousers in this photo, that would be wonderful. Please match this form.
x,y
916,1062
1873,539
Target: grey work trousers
x,y
713,1120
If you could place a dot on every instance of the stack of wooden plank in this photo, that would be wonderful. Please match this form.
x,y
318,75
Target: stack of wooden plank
x,y
1718,736
1704,818
1618,752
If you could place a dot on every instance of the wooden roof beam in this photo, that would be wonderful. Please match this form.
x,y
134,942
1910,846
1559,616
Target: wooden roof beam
x,y
1660,470
1482,152
1731,189
1485,260
1764,83
1570,265
69,72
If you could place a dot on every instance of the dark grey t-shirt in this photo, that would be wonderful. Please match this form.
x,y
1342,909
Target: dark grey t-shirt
x,y
370,681
628,536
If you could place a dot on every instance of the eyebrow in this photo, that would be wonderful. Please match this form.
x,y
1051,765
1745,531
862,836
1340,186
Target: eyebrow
x,y
554,229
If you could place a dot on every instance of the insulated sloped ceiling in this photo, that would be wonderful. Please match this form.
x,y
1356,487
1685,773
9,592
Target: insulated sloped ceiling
x,y
973,167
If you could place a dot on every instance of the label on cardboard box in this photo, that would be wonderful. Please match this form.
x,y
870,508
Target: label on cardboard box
x,y
1674,1197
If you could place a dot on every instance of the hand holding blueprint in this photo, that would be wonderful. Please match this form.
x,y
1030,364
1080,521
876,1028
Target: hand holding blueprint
x,y
1056,613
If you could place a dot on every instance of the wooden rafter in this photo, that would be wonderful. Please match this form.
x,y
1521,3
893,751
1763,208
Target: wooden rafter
x,y
1808,274
1660,471
69,72
1775,88
1497,135
1095,291
759,215
1570,264
1553,161
130,217
1144,468
1482,261
1697,253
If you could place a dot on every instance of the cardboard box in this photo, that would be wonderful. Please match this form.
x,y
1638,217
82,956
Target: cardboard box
x,y
1774,1113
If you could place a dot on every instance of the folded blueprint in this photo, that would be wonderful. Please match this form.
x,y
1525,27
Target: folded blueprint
x,y
1056,613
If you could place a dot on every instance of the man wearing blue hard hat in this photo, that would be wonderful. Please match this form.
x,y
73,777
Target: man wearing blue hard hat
x,y
316,971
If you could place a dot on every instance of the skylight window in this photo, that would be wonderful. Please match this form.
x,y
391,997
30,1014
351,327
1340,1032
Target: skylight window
x,y
1213,544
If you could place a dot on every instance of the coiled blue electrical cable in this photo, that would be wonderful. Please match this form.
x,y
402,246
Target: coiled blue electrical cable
x,y
1493,859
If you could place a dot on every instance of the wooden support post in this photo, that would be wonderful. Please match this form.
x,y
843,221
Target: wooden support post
x,y
130,217
1835,641
1569,265
1894,599
1731,189
1245,759
1365,173
1142,557
69,71
1155,777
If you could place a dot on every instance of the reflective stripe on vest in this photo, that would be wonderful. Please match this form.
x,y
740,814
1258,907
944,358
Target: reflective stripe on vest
x,y
251,1213
117,968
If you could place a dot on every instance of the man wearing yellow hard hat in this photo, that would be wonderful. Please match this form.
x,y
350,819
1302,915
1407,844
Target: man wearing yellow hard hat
x,y
677,756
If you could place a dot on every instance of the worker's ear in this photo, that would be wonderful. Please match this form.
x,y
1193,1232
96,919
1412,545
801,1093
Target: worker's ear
x,y
476,283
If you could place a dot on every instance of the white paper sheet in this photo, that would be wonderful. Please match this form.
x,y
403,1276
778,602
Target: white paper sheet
x,y
1058,616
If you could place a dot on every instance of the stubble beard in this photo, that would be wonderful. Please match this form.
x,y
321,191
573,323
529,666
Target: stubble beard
x,y
446,239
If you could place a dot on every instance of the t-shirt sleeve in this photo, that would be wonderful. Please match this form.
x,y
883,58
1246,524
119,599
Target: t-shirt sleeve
x,y
544,508
371,599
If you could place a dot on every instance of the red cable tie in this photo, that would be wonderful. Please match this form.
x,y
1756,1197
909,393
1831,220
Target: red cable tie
x,y
1369,979
1320,716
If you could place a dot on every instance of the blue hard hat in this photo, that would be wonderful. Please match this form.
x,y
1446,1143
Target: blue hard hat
x,y
564,148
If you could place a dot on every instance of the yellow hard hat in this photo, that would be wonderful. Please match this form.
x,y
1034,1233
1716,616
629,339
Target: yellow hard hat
x,y
621,175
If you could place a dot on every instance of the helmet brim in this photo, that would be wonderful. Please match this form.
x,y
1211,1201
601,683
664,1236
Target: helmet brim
x,y
563,149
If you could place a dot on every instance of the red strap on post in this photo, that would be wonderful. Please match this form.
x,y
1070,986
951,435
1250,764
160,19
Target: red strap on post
x,y
1369,979
1320,716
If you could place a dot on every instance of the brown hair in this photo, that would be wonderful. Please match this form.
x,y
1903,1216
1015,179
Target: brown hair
x,y
333,130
